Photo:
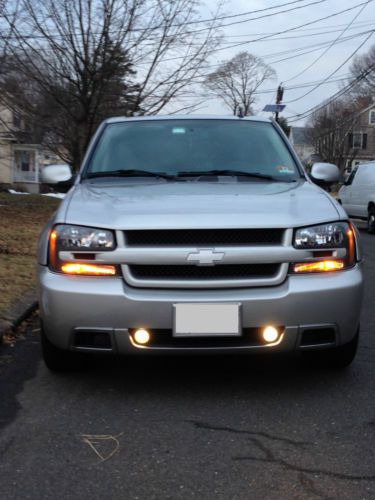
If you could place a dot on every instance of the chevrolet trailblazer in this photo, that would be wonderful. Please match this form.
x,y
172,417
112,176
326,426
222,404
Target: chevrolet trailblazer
x,y
197,235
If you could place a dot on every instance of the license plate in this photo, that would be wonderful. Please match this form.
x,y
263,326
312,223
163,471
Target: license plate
x,y
205,320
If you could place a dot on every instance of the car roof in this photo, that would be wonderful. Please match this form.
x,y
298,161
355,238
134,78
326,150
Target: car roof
x,y
121,119
366,164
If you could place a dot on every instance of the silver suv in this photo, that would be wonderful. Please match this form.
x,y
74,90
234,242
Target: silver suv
x,y
197,235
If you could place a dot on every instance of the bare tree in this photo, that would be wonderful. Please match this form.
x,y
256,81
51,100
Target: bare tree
x,y
331,129
237,80
363,69
72,63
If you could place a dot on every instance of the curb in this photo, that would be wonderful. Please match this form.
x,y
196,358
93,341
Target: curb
x,y
18,313
26,313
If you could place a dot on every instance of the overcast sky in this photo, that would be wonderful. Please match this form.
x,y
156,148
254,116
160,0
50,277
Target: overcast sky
x,y
271,49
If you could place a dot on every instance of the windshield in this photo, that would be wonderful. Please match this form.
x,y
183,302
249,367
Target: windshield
x,y
192,148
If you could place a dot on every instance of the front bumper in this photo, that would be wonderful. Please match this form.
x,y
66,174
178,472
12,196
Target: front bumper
x,y
70,303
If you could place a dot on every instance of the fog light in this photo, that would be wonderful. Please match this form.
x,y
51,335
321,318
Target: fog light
x,y
142,336
270,334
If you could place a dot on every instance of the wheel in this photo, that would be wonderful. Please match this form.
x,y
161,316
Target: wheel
x,y
337,358
371,220
59,360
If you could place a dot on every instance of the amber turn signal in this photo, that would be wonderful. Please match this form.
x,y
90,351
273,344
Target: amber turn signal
x,y
88,269
319,266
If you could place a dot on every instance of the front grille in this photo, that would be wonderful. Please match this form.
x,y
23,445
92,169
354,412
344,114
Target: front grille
x,y
233,271
203,237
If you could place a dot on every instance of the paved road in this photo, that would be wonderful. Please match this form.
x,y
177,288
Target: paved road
x,y
216,428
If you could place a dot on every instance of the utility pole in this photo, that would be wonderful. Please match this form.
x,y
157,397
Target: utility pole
x,y
278,107
279,98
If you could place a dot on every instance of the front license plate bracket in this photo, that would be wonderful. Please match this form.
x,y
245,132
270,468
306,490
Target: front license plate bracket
x,y
207,319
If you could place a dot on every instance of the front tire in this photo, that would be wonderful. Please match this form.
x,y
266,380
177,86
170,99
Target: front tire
x,y
59,360
371,220
337,358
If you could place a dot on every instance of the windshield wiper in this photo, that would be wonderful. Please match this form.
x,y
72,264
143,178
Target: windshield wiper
x,y
256,175
130,173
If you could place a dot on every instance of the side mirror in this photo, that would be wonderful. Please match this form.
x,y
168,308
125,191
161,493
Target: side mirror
x,y
58,176
325,173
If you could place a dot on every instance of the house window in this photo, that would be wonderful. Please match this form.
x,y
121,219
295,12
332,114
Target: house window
x,y
24,161
16,119
25,165
372,117
357,140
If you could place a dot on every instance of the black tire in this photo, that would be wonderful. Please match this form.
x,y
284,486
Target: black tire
x,y
60,360
337,358
371,220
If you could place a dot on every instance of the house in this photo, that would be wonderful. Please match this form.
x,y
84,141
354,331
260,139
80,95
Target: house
x,y
20,159
302,141
361,139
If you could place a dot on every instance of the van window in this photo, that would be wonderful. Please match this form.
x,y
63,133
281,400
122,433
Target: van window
x,y
366,175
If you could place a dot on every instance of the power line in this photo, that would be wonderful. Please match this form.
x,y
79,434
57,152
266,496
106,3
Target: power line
x,y
210,20
333,98
192,93
272,35
231,16
211,68
331,45
302,50
299,26
304,85
261,17
360,24
315,46
317,34
238,44
336,70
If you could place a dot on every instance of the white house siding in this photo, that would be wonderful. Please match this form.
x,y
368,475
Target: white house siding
x,y
6,173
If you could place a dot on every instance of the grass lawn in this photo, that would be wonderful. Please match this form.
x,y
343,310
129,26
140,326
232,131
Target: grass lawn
x,y
22,218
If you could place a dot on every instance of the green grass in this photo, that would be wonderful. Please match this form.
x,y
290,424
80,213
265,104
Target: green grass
x,y
22,218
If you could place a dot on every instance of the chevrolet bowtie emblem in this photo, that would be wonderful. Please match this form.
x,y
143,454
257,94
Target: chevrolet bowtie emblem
x,y
205,257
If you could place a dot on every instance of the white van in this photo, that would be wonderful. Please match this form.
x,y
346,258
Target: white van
x,y
357,195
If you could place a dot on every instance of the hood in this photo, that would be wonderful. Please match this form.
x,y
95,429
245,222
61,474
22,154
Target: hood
x,y
156,204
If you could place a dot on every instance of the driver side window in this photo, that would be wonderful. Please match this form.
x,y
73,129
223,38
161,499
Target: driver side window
x,y
351,176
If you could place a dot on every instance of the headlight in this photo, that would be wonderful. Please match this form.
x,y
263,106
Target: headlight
x,y
324,236
80,241
326,240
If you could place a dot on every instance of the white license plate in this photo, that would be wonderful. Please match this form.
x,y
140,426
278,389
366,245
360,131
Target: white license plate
x,y
202,320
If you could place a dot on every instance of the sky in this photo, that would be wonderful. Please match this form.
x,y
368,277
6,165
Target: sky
x,y
358,21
